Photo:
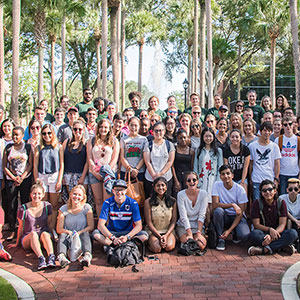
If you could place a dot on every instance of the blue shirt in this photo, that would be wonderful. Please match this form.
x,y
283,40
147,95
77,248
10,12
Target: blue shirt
x,y
120,218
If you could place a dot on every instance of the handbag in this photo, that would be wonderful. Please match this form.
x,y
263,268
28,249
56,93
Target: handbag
x,y
135,190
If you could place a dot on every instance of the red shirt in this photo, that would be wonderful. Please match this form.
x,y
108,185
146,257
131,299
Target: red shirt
x,y
1,219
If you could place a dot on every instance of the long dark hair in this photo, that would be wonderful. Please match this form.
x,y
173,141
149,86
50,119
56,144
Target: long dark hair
x,y
213,144
169,200
241,144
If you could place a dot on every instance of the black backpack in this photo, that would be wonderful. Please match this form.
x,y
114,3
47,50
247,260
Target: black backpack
x,y
126,254
190,247
212,239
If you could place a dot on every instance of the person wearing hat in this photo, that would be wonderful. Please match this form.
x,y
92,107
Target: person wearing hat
x,y
223,112
120,218
65,131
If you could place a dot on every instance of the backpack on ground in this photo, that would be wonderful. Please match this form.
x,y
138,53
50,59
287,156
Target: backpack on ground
x,y
190,247
212,238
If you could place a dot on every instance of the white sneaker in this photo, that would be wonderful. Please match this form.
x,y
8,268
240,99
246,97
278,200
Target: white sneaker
x,y
85,261
63,261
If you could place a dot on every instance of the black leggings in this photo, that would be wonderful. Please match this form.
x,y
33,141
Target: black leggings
x,y
12,193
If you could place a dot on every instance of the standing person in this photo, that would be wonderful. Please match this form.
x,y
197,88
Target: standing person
x,y
277,128
237,156
218,101
49,168
210,122
269,218
208,160
17,166
192,205
223,112
75,217
249,130
281,103
144,114
239,108
49,117
266,104
289,145
111,111
196,128
170,124
117,125
229,204
159,158
6,130
59,116
100,104
184,160
86,103
103,150
135,99
195,101
161,215
64,102
34,219
171,101
222,136
265,159
258,111
74,151
91,124
153,104
236,121
128,224
185,122
145,128
35,132
131,151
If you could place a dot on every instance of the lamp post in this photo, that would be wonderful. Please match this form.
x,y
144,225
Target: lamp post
x,y
185,86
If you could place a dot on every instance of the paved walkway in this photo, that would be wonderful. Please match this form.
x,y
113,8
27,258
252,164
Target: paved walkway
x,y
231,274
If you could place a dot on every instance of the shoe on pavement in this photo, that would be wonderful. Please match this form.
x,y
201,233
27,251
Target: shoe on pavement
x,y
221,245
85,261
42,263
63,261
51,261
4,255
290,249
255,250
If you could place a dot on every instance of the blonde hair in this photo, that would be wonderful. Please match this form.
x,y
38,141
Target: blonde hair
x,y
195,121
54,142
109,140
38,185
253,125
83,201
240,121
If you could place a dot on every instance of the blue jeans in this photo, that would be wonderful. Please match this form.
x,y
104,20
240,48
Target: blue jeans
x,y
288,236
222,220
256,192
284,183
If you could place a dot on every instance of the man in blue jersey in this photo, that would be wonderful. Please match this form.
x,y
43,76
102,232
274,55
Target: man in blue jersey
x,y
120,218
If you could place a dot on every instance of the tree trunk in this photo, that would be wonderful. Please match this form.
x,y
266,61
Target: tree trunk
x,y
2,91
209,51
239,70
296,52
189,68
114,53
195,46
63,55
40,74
140,75
123,39
273,71
53,40
97,36
202,43
216,72
104,37
14,110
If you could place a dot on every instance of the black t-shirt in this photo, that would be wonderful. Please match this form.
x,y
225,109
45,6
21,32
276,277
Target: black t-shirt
x,y
236,161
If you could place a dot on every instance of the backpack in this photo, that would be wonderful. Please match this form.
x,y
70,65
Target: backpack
x,y
9,147
261,207
167,144
126,254
212,238
280,143
190,247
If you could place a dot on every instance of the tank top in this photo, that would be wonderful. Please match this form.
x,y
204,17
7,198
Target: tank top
x,y
102,155
182,164
49,160
73,156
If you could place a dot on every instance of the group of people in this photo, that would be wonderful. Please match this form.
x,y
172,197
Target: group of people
x,y
196,167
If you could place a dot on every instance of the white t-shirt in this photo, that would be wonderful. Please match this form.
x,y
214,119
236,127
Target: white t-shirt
x,y
292,207
289,165
263,158
159,156
235,195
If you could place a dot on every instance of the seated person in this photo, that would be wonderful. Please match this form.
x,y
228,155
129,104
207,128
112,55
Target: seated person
x,y
4,255
292,200
123,216
161,215
269,217
229,201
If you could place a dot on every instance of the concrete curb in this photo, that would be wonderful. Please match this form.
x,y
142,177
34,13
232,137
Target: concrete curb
x,y
23,290
288,282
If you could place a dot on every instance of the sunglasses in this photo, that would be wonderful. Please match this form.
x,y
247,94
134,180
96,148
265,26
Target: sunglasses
x,y
209,121
195,126
287,124
77,129
172,111
239,105
197,112
295,189
189,180
47,133
158,130
267,190
88,93
35,127
154,120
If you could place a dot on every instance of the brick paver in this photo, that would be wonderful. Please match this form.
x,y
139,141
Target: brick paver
x,y
231,274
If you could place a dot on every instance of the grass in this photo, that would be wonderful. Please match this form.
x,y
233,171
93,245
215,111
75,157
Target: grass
x,y
7,292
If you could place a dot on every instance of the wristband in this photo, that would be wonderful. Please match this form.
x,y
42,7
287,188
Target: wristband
x,y
128,237
112,237
277,179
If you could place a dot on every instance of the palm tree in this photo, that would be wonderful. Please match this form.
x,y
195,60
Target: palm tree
x,y
189,66
16,13
1,57
141,44
123,40
97,37
195,47
52,39
296,52
63,54
202,44
104,47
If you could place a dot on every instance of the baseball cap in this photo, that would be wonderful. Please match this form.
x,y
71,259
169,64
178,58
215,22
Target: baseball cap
x,y
73,108
120,183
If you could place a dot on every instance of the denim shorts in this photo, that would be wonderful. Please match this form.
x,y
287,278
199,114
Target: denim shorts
x,y
93,179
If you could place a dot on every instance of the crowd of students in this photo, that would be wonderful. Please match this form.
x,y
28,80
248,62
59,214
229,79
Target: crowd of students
x,y
198,166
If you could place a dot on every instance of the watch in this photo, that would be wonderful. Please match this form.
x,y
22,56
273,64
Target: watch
x,y
128,237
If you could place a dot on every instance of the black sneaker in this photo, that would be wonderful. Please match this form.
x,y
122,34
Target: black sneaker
x,y
42,263
221,245
51,261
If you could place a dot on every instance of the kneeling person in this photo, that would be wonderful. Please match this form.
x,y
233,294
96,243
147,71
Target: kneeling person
x,y
229,203
121,212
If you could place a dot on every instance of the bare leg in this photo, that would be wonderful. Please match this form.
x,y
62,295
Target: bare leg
x,y
53,199
171,242
47,242
32,241
201,240
98,196
154,244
